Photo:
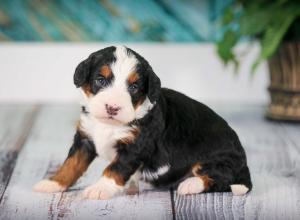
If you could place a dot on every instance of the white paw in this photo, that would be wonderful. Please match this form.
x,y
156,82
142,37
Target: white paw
x,y
239,189
105,188
191,185
48,186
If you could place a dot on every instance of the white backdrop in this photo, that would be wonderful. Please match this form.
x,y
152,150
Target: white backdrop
x,y
43,72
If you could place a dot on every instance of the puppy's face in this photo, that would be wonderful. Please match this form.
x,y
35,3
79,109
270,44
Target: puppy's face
x,y
118,84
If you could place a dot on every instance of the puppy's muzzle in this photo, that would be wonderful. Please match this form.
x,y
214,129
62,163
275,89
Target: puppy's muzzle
x,y
112,110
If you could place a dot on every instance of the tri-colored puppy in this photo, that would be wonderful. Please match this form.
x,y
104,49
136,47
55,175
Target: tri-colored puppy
x,y
153,133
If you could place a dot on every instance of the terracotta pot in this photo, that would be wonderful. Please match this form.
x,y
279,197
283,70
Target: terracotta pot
x,y
284,90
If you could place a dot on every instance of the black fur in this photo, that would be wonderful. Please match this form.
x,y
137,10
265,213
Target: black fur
x,y
88,70
153,82
178,131
81,142
181,132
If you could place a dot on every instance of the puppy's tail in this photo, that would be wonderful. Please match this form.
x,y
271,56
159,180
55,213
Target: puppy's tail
x,y
243,182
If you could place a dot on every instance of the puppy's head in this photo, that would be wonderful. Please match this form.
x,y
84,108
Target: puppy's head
x,y
119,85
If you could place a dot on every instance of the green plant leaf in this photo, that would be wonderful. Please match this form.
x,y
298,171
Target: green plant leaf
x,y
272,37
225,46
267,19
252,23
228,16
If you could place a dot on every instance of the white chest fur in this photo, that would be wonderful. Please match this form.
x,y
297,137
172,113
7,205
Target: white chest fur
x,y
104,136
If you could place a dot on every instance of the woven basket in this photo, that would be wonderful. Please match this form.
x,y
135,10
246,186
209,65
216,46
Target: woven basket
x,y
284,69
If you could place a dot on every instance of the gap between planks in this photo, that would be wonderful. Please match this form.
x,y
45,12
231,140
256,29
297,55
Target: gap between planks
x,y
55,139
273,158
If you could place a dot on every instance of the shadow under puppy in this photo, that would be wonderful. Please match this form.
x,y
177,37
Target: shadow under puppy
x,y
146,131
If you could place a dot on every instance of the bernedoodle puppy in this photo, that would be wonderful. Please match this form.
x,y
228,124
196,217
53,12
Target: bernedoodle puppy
x,y
156,134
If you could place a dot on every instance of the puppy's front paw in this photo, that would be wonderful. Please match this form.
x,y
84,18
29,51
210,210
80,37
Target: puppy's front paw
x,y
48,186
105,188
96,191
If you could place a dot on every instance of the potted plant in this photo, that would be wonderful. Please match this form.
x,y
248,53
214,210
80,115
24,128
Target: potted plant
x,y
276,23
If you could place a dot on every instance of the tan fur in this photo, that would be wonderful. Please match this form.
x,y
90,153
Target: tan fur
x,y
131,137
196,168
118,178
87,89
133,77
208,182
72,169
105,71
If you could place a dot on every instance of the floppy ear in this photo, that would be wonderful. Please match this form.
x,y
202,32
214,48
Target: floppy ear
x,y
153,86
82,72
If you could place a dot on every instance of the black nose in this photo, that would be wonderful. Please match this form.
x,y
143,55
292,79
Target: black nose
x,y
112,110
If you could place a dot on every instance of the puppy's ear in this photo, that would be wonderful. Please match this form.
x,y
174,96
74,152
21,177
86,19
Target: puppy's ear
x,y
82,72
153,86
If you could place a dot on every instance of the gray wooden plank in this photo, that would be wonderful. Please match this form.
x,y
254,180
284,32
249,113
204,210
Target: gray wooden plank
x,y
292,134
45,149
15,124
273,161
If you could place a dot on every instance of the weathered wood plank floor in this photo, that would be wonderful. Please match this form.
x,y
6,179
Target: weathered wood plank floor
x,y
35,139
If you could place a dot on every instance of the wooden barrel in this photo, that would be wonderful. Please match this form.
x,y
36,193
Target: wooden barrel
x,y
284,90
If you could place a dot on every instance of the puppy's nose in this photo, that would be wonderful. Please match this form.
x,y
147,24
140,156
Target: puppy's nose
x,y
112,110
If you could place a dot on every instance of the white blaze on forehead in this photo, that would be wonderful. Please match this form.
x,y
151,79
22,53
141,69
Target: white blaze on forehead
x,y
117,94
124,65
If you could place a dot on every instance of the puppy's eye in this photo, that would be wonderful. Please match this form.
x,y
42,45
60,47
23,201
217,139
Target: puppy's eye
x,y
133,88
101,81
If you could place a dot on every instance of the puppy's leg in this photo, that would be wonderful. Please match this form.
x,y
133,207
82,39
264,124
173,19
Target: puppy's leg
x,y
198,183
225,178
81,154
214,177
114,176
243,183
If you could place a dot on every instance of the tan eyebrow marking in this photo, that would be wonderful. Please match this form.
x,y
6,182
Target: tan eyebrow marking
x,y
133,77
105,71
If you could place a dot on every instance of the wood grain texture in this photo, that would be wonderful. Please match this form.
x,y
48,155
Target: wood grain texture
x,y
273,151
45,149
16,122
273,158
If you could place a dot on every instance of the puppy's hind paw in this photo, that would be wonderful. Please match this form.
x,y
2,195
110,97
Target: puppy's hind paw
x,y
48,186
191,185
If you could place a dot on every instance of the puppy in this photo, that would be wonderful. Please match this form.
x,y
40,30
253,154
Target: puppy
x,y
153,133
